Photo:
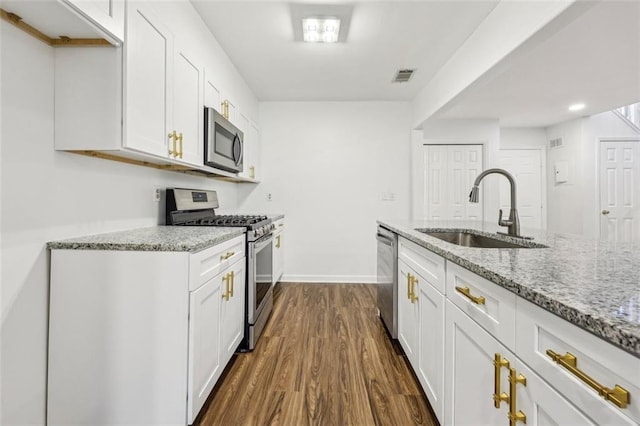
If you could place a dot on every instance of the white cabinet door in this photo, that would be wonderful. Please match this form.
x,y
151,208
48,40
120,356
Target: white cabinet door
x,y
211,91
188,113
148,71
204,343
232,310
469,373
430,369
107,15
540,403
408,314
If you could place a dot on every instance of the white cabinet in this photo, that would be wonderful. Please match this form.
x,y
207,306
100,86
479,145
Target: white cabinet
x,y
232,310
251,155
164,90
108,15
216,319
566,356
278,250
141,337
408,313
148,77
421,318
488,385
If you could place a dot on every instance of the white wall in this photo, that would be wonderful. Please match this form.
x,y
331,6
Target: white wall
x,y
326,165
522,137
580,196
48,195
450,132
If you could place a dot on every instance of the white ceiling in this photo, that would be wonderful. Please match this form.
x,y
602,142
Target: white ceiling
x,y
383,37
594,59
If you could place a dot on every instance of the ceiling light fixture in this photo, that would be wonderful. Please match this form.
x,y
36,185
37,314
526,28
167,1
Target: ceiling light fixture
x,y
576,107
320,29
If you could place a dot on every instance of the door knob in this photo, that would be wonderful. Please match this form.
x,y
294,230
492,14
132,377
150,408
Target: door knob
x,y
605,212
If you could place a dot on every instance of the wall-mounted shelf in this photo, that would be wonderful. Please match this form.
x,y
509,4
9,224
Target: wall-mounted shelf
x,y
166,164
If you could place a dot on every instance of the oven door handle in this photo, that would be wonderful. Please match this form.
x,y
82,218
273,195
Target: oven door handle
x,y
262,243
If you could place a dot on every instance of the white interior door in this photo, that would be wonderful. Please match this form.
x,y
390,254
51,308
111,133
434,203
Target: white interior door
x,y
449,174
619,192
526,167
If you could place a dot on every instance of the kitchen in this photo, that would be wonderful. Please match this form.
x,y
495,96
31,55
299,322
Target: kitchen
x,y
85,195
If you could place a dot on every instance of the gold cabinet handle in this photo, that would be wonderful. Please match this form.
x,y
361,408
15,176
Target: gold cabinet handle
x,y
173,135
498,363
179,154
408,285
618,395
227,255
226,280
278,241
466,292
515,415
233,279
414,281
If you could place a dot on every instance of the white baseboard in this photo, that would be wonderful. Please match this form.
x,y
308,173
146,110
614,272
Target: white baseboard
x,y
347,279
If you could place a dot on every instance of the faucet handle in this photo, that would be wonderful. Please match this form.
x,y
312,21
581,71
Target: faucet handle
x,y
503,222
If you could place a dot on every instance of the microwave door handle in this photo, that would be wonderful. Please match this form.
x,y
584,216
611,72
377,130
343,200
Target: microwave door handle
x,y
236,140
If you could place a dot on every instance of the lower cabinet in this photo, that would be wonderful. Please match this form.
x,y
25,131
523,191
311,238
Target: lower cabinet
x,y
421,332
484,356
141,337
487,385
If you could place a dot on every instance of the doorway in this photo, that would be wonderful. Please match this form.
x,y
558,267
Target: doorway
x,y
526,166
619,174
449,172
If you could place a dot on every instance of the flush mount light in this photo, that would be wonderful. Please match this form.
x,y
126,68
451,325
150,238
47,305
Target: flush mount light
x,y
576,107
320,29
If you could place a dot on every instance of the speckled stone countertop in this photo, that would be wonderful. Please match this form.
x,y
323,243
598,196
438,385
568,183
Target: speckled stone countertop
x,y
593,284
157,238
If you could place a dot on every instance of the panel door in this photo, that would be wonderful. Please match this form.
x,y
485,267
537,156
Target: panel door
x,y
247,155
232,310
408,315
449,174
619,192
526,167
211,91
431,351
469,373
149,51
188,113
204,343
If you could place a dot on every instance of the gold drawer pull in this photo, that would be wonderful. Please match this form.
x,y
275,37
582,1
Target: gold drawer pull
x,y
515,416
227,255
618,395
466,292
278,241
233,280
498,363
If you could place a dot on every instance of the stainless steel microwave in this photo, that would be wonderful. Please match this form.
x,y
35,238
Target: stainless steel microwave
x,y
223,142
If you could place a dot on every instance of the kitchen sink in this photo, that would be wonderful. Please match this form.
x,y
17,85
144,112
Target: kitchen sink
x,y
470,239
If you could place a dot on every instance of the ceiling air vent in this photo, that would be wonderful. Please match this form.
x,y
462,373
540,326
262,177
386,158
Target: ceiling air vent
x,y
556,143
402,76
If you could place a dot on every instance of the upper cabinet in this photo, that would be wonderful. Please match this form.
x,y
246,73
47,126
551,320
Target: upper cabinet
x,y
143,103
107,15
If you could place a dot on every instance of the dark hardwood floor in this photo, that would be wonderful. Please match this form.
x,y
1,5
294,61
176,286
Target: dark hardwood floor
x,y
323,359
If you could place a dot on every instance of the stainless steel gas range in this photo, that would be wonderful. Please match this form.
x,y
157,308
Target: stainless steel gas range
x,y
193,207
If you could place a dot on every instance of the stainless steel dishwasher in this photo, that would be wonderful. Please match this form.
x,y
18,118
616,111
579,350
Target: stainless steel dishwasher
x,y
388,279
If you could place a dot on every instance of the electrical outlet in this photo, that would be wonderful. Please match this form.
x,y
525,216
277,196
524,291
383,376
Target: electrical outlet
x,y
156,195
269,198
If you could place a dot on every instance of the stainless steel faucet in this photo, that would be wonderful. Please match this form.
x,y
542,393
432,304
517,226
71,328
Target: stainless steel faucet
x,y
513,223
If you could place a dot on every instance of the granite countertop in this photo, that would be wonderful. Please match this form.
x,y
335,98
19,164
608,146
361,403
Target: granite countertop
x,y
157,238
593,284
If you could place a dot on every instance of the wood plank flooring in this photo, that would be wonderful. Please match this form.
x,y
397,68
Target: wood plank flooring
x,y
324,359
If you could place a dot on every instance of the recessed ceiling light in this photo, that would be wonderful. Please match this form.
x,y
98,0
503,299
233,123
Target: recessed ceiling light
x,y
576,107
320,30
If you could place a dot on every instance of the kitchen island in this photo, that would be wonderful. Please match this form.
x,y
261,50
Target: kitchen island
x,y
592,284
544,333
